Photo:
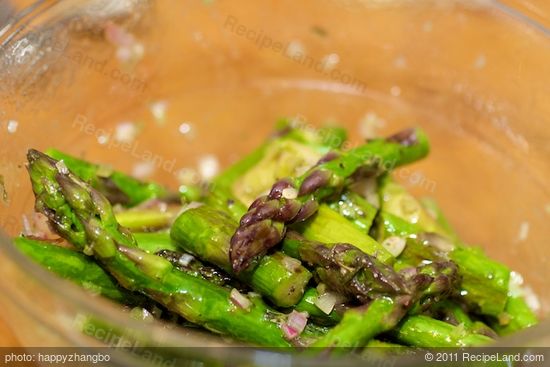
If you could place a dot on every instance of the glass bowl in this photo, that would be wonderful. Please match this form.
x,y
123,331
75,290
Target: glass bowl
x,y
198,78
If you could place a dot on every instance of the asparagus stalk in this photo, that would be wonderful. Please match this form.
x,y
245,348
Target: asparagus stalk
x,y
118,187
328,137
83,271
153,242
517,316
347,270
425,332
396,200
484,281
84,217
224,200
388,295
292,201
188,264
160,243
454,314
328,226
78,268
146,219
359,325
357,210
206,232
289,151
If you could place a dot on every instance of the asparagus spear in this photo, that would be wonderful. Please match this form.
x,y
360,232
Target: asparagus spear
x,y
328,137
425,332
484,281
153,242
388,295
77,268
361,324
147,219
224,200
396,200
357,210
160,243
292,201
328,226
282,158
84,217
454,314
422,335
289,151
118,187
347,270
83,271
205,232
517,316
188,264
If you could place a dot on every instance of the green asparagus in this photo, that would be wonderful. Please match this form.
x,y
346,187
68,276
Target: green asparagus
x,y
347,270
422,331
77,268
291,201
118,187
350,269
517,316
147,219
355,209
484,281
84,217
205,232
328,226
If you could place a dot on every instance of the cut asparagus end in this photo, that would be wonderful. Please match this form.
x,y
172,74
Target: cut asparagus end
x,y
206,232
327,226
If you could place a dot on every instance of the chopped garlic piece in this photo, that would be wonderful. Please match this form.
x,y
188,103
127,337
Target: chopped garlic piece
x,y
126,132
208,167
12,126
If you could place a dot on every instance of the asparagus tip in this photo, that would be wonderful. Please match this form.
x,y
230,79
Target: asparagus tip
x,y
406,137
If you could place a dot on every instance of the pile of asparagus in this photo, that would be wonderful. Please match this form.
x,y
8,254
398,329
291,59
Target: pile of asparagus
x,y
299,244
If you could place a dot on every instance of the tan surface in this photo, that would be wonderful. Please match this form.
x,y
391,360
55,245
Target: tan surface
x,y
7,339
